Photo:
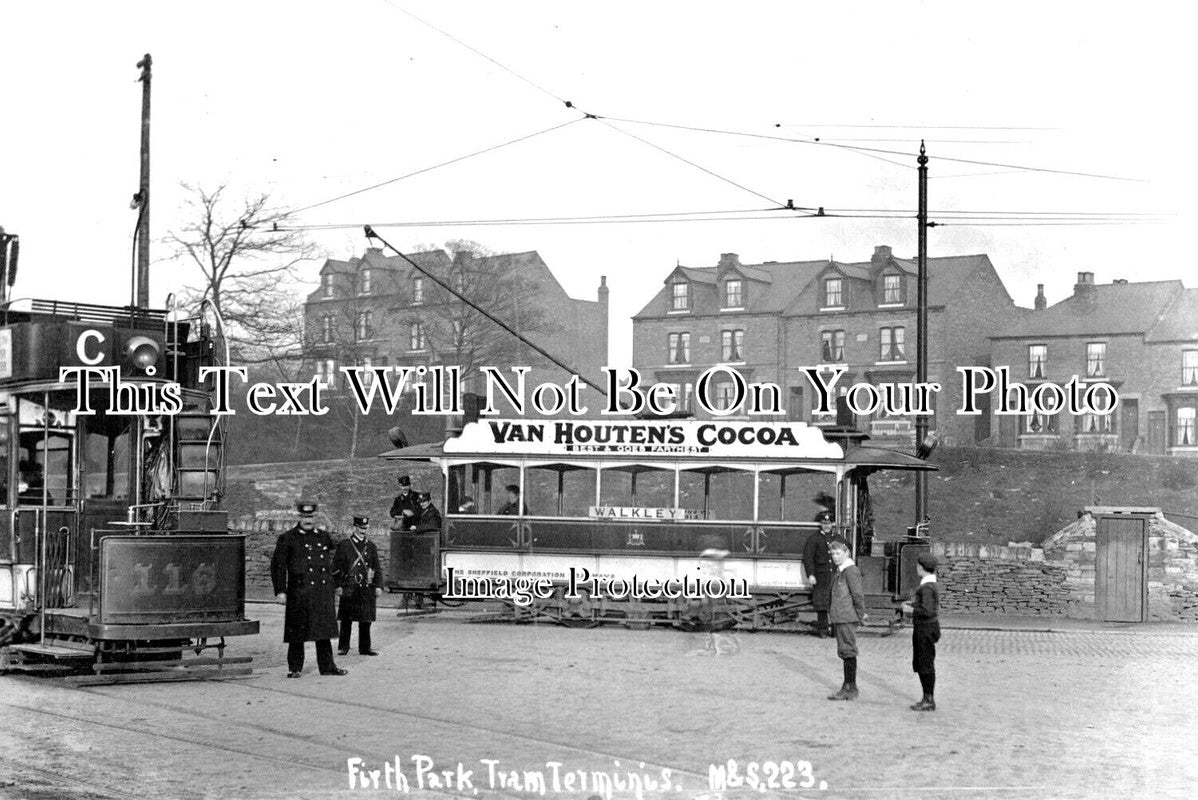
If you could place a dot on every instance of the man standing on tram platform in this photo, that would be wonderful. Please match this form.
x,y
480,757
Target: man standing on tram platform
x,y
817,562
302,573
404,509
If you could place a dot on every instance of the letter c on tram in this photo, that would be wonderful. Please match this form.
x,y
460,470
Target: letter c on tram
x,y
81,347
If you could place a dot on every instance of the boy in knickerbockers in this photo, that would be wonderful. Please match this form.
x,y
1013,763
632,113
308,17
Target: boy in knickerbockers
x,y
846,613
925,624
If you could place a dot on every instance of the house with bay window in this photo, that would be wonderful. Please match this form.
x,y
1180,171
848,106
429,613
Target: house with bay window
x,y
770,320
1140,338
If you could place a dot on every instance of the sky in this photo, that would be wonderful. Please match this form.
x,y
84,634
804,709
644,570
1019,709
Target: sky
x,y
308,101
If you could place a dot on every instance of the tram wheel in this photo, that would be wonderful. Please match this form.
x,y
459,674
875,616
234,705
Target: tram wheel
x,y
579,622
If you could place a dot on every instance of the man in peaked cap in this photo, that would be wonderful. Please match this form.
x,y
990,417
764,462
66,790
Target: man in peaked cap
x,y
404,509
359,584
817,561
302,573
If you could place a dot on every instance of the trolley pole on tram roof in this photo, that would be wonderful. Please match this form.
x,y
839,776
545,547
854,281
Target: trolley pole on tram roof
x,y
921,331
142,299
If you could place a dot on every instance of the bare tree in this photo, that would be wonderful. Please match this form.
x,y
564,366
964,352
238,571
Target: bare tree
x,y
247,265
459,333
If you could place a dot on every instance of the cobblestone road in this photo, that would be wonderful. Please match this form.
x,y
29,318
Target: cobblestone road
x,y
1022,714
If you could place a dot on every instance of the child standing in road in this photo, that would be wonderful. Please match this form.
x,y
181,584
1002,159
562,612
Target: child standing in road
x,y
924,610
846,613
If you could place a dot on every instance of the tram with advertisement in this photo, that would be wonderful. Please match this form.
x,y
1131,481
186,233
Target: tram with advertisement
x,y
115,560
648,501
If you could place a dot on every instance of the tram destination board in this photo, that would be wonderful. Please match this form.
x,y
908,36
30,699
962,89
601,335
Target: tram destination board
x,y
176,578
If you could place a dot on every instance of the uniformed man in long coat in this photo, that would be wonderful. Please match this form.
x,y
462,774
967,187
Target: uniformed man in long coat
x,y
359,583
302,573
404,509
429,518
817,561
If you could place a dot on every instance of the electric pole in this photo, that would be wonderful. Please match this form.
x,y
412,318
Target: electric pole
x,y
921,331
143,192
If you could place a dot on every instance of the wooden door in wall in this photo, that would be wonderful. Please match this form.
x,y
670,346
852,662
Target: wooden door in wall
x,y
1120,567
1156,431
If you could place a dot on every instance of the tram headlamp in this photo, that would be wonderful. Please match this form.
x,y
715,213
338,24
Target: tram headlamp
x,y
142,353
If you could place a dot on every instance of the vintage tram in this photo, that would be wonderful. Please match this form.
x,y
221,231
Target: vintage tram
x,y
651,500
115,560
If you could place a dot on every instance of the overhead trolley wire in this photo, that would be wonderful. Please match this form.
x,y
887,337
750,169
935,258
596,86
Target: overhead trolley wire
x,y
423,170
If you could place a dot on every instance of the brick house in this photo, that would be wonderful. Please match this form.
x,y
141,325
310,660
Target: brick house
x,y
1141,338
770,320
379,311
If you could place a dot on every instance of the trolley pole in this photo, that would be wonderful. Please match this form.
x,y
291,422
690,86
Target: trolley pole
x,y
143,191
921,332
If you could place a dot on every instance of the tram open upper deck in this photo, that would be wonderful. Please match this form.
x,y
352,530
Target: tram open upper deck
x,y
114,553
651,499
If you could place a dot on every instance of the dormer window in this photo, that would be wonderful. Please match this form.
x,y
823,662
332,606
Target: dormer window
x,y
417,291
680,294
833,293
892,289
326,283
364,281
1037,361
732,294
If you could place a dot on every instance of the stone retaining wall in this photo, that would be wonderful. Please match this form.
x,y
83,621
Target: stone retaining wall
x,y
1003,580
261,534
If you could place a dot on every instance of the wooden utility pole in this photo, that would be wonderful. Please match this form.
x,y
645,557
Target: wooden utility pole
x,y
921,331
143,192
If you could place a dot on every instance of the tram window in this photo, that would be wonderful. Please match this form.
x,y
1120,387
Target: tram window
x,y
798,503
642,487
577,490
106,458
4,441
729,494
45,468
501,478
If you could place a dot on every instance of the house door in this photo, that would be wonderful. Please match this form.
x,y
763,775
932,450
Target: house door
x,y
1120,582
1129,426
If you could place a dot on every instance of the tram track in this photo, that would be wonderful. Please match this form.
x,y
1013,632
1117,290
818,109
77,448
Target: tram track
x,y
489,732
16,767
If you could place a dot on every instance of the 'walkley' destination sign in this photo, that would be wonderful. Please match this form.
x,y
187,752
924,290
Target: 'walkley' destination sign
x,y
641,513
788,440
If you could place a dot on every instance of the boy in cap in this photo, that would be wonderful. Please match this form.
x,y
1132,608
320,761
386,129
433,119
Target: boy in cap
x,y
847,611
404,509
925,629
302,573
359,584
818,563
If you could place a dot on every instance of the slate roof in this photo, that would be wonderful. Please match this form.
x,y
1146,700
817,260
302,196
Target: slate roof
x,y
1105,309
1180,320
791,288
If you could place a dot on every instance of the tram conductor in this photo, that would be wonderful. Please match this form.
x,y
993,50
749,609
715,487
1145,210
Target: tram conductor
x,y
817,561
359,585
302,573
404,509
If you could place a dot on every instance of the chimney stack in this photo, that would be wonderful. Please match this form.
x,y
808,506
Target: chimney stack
x,y
729,260
882,254
1041,300
1085,283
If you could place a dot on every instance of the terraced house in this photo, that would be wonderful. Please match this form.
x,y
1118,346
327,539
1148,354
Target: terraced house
x,y
1141,338
380,311
771,320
